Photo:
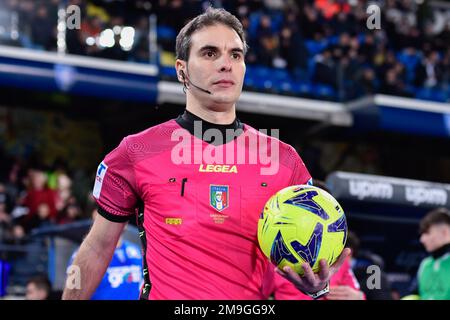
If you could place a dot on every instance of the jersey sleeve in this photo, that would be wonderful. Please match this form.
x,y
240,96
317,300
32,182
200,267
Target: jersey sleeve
x,y
300,174
115,185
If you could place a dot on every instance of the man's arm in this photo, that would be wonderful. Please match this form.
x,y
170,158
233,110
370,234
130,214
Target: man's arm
x,y
92,259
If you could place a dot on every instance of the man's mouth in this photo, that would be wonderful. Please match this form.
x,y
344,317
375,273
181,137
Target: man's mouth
x,y
224,83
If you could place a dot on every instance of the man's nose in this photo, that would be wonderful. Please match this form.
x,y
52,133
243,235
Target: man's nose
x,y
225,63
422,238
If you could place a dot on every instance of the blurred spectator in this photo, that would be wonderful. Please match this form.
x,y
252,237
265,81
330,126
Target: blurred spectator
x,y
366,81
325,71
267,42
330,8
360,261
72,212
368,49
393,85
123,277
428,72
38,288
140,51
311,22
5,204
434,271
40,219
292,35
293,49
44,33
39,193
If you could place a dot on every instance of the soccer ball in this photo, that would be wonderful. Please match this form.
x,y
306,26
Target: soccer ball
x,y
302,224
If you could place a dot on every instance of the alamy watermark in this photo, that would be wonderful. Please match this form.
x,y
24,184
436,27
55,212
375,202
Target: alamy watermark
x,y
373,282
374,19
251,148
73,280
73,17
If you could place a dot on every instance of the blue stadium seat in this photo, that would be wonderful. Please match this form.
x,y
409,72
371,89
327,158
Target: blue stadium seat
x,y
253,25
280,74
361,38
315,47
262,83
169,71
263,72
166,32
286,87
410,62
333,40
277,21
439,95
302,88
324,91
431,94
249,79
311,67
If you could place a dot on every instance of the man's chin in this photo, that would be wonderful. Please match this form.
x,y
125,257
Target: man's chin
x,y
223,102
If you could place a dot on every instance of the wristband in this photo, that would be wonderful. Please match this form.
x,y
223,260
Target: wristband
x,y
320,293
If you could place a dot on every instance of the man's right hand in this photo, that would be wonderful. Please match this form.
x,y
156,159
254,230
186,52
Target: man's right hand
x,y
314,282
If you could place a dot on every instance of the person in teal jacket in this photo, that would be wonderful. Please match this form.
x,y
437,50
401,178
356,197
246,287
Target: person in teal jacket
x,y
434,272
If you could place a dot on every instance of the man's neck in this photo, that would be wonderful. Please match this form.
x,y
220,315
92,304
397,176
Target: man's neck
x,y
189,121
216,117
219,115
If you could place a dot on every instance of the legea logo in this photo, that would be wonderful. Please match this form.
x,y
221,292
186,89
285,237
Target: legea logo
x,y
250,148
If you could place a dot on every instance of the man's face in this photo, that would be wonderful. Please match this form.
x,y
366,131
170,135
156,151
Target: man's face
x,y
34,293
435,237
216,63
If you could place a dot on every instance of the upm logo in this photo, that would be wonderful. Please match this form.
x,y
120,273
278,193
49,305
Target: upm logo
x,y
419,195
367,189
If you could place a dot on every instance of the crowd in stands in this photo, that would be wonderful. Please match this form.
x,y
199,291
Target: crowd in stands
x,y
305,45
328,42
34,196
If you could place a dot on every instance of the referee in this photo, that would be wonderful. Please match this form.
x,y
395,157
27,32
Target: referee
x,y
197,199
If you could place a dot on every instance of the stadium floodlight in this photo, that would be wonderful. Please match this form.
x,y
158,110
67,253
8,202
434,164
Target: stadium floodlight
x,y
107,39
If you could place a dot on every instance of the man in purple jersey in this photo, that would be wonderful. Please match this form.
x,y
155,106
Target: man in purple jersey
x,y
200,181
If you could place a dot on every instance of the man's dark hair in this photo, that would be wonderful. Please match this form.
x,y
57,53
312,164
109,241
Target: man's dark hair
x,y
41,282
210,17
436,216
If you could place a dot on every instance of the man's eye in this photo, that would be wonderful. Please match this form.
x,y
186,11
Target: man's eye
x,y
210,53
236,56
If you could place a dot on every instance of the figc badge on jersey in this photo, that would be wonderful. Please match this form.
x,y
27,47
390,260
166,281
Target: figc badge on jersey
x,y
219,197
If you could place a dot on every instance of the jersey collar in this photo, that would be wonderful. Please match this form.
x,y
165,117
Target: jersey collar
x,y
186,121
441,251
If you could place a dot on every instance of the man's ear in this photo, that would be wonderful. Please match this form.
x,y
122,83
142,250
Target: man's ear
x,y
180,67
